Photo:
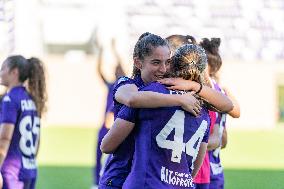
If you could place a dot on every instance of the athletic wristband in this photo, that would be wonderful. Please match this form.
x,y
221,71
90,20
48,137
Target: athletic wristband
x,y
200,88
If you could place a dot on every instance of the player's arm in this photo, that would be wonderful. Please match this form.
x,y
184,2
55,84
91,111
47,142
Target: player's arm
x,y
224,138
214,97
236,111
99,63
214,140
109,119
130,96
116,54
38,143
199,159
1,181
116,135
6,133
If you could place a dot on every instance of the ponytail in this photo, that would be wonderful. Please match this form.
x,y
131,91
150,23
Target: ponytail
x,y
37,84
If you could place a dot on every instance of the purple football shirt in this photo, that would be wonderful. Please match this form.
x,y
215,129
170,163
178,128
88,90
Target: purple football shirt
x,y
216,169
167,141
19,109
118,164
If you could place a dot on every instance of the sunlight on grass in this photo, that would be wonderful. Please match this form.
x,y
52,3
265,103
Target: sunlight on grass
x,y
67,146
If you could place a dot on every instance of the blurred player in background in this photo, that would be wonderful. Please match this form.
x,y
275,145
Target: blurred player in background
x,y
108,117
22,108
214,64
163,158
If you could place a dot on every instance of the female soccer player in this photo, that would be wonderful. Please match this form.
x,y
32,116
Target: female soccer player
x,y
22,108
215,62
202,179
108,117
167,140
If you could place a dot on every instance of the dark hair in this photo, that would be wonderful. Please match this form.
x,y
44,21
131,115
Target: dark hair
x,y
176,41
144,47
32,70
188,62
212,51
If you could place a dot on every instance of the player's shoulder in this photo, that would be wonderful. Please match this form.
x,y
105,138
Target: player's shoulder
x,y
123,81
6,98
155,87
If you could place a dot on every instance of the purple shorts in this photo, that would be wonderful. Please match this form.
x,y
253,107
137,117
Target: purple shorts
x,y
13,182
201,186
217,182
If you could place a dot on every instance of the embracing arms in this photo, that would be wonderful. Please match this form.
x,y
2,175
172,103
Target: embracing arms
x,y
130,96
214,97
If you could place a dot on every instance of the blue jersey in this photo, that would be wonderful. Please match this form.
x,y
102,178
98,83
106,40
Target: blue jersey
x,y
19,109
119,163
216,169
167,141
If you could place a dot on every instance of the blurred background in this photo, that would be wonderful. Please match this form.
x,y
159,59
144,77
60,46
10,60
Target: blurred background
x,y
66,35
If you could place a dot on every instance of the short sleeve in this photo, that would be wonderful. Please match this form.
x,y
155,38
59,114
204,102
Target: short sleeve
x,y
128,114
9,110
120,82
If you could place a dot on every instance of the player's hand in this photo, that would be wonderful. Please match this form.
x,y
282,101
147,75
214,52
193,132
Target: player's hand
x,y
179,84
190,104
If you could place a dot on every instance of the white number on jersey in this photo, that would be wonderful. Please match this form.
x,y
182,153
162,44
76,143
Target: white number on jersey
x,y
27,144
177,146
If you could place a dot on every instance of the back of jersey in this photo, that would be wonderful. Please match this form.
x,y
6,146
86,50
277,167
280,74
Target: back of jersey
x,y
167,141
19,109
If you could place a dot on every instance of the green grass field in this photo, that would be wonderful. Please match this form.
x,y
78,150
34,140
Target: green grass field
x,y
252,159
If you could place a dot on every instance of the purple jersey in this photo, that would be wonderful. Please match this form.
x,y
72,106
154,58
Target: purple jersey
x,y
19,109
216,170
102,132
118,164
167,141
124,81
109,102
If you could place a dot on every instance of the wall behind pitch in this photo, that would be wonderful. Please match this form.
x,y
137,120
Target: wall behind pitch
x,y
255,87
77,94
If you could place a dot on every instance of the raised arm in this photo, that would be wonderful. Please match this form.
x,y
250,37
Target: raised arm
x,y
214,97
130,96
109,119
99,64
116,54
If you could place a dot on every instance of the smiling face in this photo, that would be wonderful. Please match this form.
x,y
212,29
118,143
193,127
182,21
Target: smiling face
x,y
155,66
